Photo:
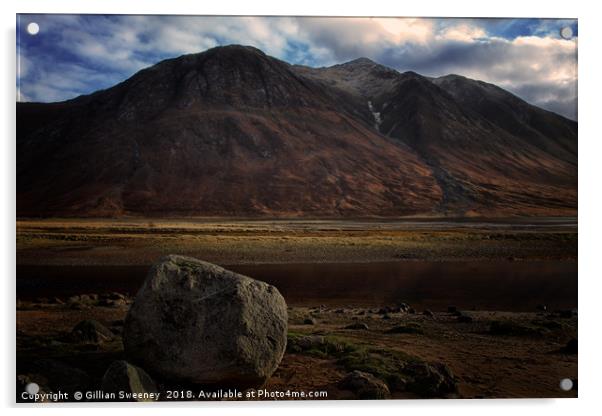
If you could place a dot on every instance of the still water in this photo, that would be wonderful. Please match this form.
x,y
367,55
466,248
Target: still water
x,y
507,285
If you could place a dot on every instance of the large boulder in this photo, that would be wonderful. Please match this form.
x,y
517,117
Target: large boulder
x,y
193,321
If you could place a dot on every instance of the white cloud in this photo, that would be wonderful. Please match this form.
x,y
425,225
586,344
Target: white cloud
x,y
461,33
401,30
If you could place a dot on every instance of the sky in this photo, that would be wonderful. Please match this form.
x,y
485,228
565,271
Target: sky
x,y
79,54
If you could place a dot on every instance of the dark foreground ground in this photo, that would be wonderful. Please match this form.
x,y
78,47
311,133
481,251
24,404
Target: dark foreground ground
x,y
488,354
484,349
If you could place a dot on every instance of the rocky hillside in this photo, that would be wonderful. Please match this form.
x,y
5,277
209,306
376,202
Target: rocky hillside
x,y
234,132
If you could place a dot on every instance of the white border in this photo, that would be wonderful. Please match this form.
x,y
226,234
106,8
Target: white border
x,y
590,24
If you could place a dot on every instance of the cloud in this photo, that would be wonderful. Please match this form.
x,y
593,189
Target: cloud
x,y
540,69
462,33
77,54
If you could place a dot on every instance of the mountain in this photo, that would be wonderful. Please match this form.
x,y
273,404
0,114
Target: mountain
x,y
234,132
491,152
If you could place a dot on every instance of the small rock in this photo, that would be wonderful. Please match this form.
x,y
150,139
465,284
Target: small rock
x,y
117,330
566,314
113,296
571,347
73,299
365,385
78,306
91,332
112,303
427,312
386,317
511,328
404,307
123,376
396,382
311,341
464,318
430,380
58,376
411,328
309,321
357,326
548,323
86,298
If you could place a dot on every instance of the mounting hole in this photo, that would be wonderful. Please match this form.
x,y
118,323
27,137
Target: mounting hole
x,y
33,28
32,388
566,384
566,32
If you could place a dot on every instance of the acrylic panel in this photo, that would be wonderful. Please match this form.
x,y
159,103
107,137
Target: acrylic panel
x,y
295,208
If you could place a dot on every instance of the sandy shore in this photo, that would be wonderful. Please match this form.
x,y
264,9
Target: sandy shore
x,y
142,242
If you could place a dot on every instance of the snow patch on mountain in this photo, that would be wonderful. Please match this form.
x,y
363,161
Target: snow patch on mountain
x,y
376,115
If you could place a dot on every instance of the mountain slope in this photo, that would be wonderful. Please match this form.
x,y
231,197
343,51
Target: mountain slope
x,y
234,132
553,133
229,131
491,152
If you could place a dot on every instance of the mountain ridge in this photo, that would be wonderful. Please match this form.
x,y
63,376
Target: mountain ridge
x,y
232,131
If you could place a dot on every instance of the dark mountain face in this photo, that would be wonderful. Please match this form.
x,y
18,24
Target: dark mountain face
x,y
491,152
551,132
232,131
226,132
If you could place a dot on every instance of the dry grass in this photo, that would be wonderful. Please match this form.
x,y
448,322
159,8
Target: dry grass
x,y
141,241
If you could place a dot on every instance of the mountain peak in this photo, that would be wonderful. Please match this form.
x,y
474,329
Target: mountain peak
x,y
360,61
229,76
411,75
236,49
451,77
364,64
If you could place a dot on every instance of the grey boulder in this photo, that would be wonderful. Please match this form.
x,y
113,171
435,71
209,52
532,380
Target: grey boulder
x,y
193,321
